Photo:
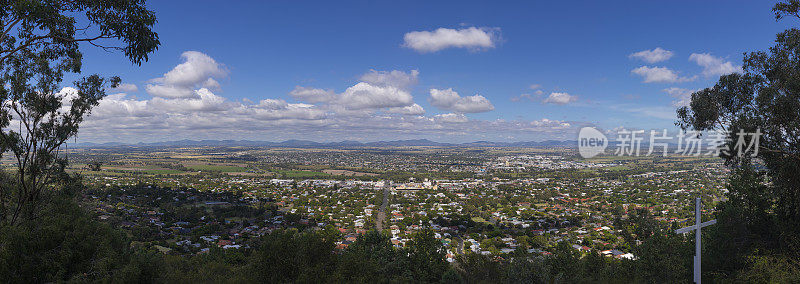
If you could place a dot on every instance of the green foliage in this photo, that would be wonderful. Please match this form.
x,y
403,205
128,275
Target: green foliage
x,y
64,244
216,266
765,98
426,256
289,256
39,43
772,269
369,258
745,226
475,268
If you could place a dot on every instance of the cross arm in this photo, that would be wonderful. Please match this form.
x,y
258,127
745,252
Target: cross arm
x,y
685,230
708,223
690,228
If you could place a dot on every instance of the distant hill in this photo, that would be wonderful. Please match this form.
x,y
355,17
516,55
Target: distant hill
x,y
294,143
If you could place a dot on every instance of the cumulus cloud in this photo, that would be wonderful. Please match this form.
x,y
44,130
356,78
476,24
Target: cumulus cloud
x,y
414,109
367,96
204,100
205,105
197,70
119,105
450,100
560,98
472,38
660,75
211,84
377,90
714,66
196,67
652,56
380,107
183,99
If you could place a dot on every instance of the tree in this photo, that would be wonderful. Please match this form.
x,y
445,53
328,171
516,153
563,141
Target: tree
x,y
369,258
426,257
40,41
66,245
745,225
290,256
763,213
476,268
95,166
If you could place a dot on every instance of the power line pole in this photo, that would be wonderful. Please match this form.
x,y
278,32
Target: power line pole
x,y
696,227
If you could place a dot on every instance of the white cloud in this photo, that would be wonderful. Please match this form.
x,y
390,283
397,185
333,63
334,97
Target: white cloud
x,y
366,96
471,38
196,67
394,78
206,105
652,56
197,70
560,98
451,118
450,100
414,109
683,96
204,100
211,84
67,94
553,124
272,109
119,105
378,90
312,95
660,75
714,66
380,108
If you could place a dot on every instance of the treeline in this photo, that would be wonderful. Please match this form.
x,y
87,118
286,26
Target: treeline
x,y
69,246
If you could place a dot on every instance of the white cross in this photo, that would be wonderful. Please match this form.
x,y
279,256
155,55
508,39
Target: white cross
x,y
697,226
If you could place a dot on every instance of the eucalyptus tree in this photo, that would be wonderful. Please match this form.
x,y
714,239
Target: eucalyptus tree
x,y
764,99
40,42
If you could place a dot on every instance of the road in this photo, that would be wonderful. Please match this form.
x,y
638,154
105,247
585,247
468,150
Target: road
x,y
382,211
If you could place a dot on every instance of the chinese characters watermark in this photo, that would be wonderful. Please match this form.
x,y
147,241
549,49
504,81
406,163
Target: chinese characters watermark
x,y
592,142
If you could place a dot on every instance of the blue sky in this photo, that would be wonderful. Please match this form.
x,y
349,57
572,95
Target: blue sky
x,y
578,54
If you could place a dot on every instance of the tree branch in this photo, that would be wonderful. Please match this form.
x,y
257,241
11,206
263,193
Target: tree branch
x,y
8,30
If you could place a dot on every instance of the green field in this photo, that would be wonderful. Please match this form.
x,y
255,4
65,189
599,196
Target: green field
x,y
217,168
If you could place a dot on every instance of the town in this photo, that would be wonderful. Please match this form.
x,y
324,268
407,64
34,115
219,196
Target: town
x,y
498,202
